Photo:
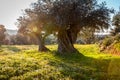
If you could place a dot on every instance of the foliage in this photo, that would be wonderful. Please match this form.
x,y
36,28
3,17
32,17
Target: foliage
x,y
111,40
26,63
117,42
111,44
87,35
117,46
2,34
20,39
108,41
117,38
116,23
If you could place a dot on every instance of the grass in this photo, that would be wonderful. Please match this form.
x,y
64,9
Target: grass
x,y
26,63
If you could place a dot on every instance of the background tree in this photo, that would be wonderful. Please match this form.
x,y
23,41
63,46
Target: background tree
x,y
29,26
116,24
87,35
2,34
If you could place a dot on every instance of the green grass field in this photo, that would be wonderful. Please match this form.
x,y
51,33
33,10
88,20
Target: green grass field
x,y
26,63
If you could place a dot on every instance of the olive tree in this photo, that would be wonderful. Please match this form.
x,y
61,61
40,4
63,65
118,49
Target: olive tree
x,y
68,17
28,25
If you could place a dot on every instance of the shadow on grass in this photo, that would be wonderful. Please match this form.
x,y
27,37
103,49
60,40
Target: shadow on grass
x,y
80,67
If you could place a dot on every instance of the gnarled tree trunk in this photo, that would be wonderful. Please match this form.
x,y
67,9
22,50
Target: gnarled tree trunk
x,y
41,44
65,42
72,33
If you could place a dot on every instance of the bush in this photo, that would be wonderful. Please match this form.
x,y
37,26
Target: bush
x,y
108,41
117,38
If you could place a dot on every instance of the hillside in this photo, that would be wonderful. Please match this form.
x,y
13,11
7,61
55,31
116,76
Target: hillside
x,y
26,63
11,32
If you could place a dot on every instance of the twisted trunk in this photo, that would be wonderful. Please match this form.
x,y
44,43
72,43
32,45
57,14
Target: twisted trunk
x,y
41,44
65,41
72,33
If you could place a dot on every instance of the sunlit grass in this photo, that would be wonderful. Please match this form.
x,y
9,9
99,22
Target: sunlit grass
x,y
26,63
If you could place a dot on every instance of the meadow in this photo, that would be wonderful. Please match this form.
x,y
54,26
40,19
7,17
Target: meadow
x,y
24,62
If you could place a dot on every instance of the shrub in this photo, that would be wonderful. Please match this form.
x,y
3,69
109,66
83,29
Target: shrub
x,y
108,41
117,38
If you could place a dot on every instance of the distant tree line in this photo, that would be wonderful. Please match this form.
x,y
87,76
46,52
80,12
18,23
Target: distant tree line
x,y
2,34
21,39
84,37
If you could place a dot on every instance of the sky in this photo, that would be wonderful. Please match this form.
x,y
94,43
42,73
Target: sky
x,y
10,10
112,4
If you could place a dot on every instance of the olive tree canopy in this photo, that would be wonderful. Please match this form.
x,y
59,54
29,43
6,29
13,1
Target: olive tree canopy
x,y
68,17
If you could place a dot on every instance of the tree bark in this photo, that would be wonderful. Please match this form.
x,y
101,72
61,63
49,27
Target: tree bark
x,y
72,33
41,44
65,42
